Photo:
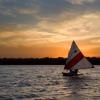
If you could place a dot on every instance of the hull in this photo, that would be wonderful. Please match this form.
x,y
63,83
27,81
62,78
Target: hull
x,y
68,74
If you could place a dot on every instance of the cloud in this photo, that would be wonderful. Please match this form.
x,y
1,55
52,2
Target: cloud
x,y
29,11
82,28
80,2
53,22
86,23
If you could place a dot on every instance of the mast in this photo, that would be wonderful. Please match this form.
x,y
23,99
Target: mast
x,y
76,59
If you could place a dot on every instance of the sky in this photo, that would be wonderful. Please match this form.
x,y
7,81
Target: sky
x,y
46,28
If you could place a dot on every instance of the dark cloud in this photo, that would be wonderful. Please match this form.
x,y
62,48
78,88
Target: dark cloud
x,y
29,13
32,11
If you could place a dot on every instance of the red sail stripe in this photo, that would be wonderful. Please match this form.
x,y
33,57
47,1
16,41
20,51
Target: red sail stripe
x,y
74,61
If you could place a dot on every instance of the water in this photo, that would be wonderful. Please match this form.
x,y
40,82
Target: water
x,y
45,82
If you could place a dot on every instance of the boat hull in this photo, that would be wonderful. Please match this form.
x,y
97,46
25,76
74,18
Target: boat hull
x,y
68,74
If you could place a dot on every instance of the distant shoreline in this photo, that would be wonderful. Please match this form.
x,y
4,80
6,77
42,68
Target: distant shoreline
x,y
42,61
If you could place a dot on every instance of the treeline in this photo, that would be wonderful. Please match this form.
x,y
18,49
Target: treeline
x,y
41,61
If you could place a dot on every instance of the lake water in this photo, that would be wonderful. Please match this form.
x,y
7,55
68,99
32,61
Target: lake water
x,y
45,82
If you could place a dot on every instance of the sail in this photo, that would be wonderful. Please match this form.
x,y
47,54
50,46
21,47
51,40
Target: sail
x,y
76,59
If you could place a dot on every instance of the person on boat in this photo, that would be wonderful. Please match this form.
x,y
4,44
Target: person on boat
x,y
76,71
73,71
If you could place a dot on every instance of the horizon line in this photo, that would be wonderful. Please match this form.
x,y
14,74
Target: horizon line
x,y
39,57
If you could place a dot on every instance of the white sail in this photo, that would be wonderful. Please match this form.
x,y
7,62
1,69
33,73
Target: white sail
x,y
83,64
76,60
74,50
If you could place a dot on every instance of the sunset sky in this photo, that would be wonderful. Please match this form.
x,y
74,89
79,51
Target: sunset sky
x,y
46,28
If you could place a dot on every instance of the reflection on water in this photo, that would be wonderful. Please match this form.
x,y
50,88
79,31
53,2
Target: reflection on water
x,y
76,84
45,82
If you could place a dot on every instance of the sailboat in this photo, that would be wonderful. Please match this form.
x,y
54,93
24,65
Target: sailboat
x,y
75,61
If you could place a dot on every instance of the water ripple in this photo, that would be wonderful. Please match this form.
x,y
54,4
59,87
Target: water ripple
x,y
42,82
